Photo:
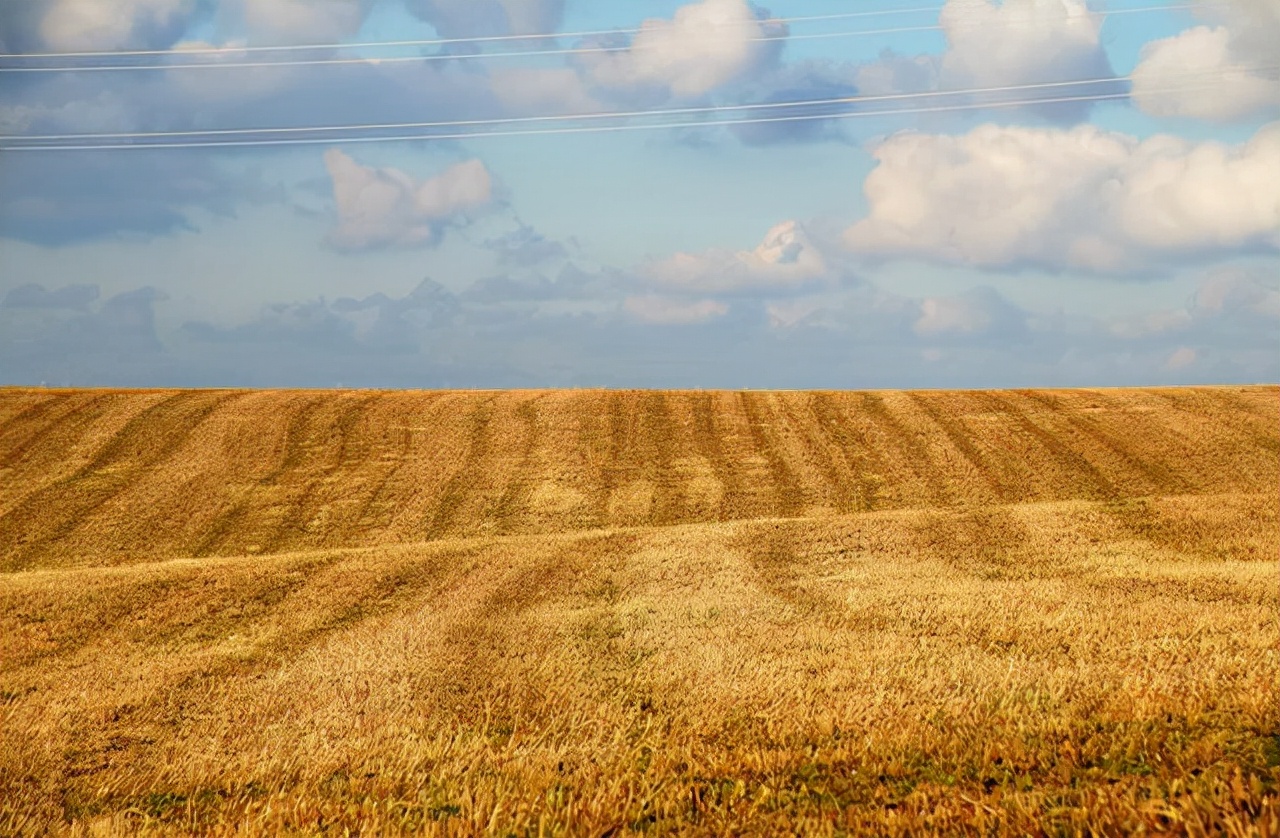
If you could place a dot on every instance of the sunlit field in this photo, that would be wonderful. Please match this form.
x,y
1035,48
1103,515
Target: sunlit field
x,y
599,613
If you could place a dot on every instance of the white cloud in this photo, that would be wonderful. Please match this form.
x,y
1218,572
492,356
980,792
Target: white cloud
x,y
1153,323
1218,73
244,85
1237,297
542,90
532,16
1180,358
1019,41
785,314
894,73
1227,291
72,25
787,258
1084,198
301,21
388,208
651,308
108,110
1196,74
951,316
979,311
475,18
705,46
999,44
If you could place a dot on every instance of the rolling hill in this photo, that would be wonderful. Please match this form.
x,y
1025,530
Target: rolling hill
x,y
591,612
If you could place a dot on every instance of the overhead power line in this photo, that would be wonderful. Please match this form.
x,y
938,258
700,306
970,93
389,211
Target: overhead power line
x,y
331,61
444,41
393,126
602,115
317,62
1096,97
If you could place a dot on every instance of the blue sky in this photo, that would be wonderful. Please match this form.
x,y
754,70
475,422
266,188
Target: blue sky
x,y
973,238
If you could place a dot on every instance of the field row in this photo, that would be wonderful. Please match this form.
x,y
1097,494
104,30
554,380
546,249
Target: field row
x,y
1014,668
117,477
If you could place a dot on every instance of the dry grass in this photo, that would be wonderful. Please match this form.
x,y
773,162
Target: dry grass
x,y
680,613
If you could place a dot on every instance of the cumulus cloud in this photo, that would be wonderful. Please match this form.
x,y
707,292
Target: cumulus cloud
x,y
705,46
478,18
542,90
34,296
75,25
652,308
376,324
1180,358
525,247
398,323
896,73
389,208
1234,291
859,336
53,200
503,288
1151,323
1218,73
1239,300
788,314
71,196
992,44
301,21
127,322
801,81
785,260
979,312
308,324
1085,198
48,335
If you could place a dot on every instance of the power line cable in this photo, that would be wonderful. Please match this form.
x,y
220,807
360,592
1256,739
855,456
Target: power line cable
x,y
390,126
312,62
444,41
538,36
1097,97
515,120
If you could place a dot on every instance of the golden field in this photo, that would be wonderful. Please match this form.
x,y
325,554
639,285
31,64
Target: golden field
x,y
603,613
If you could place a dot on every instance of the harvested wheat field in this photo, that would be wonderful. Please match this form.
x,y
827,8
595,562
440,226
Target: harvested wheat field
x,y
681,613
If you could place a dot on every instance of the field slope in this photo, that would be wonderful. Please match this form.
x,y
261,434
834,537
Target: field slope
x,y
591,612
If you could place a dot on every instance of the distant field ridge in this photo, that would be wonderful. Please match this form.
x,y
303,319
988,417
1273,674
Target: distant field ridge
x,y
127,475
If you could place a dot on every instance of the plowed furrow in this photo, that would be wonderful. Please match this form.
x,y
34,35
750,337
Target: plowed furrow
x,y
370,515
1253,438
459,487
962,440
145,442
1080,477
340,446
658,430
121,477
707,437
1148,463
515,495
787,492
24,414
240,524
856,451
912,451
34,452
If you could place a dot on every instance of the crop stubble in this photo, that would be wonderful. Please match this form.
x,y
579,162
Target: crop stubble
x,y
695,613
